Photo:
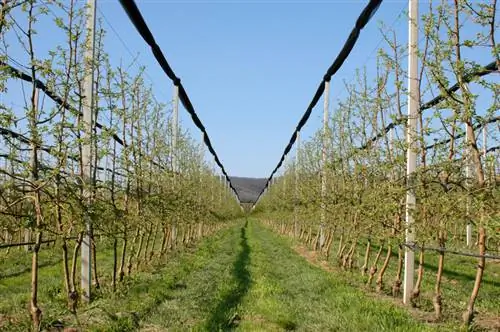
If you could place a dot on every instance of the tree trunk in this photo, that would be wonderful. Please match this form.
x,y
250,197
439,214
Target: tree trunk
x,y
329,245
339,250
132,250
138,254
94,262
350,255
148,239
380,278
36,313
121,271
396,287
173,237
73,296
115,263
364,268
468,315
155,232
420,276
67,282
373,269
438,299
315,243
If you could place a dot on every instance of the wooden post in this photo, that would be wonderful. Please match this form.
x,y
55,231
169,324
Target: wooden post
x,y
411,155
88,93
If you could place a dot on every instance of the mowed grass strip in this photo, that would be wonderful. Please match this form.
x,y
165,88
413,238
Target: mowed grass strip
x,y
242,278
288,293
254,281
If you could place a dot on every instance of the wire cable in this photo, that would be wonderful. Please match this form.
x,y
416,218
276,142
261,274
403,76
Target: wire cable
x,y
138,21
361,22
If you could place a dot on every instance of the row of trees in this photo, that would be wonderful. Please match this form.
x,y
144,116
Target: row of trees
x,y
456,182
150,189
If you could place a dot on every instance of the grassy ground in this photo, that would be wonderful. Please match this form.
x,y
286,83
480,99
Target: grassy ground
x,y
244,278
457,283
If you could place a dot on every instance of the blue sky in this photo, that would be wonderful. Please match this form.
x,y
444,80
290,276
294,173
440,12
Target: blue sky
x,y
250,68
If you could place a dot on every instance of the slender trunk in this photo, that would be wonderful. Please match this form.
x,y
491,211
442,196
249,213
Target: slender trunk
x,y
139,250
121,271
350,255
67,282
173,237
94,262
115,263
420,276
341,253
396,287
147,243
339,250
346,257
73,297
364,268
132,251
315,244
374,268
438,299
468,315
302,231
329,245
308,236
166,234
201,230
380,278
36,313
155,232
325,242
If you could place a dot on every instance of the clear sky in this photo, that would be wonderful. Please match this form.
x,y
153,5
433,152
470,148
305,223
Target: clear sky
x,y
249,67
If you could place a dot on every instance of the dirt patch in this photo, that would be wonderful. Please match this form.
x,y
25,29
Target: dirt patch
x,y
7,320
489,323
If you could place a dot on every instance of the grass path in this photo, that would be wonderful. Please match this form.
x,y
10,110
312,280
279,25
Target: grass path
x,y
244,278
251,280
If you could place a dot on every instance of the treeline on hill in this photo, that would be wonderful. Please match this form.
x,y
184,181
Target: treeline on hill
x,y
364,172
144,190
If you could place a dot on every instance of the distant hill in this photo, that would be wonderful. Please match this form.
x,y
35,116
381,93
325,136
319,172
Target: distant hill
x,y
248,188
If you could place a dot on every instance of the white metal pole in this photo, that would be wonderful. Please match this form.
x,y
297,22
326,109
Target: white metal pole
x,y
326,106
411,156
175,129
485,142
468,178
200,171
174,153
296,193
485,152
468,173
88,105
202,149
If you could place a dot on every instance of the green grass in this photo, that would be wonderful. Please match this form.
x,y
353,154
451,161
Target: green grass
x,y
288,293
244,278
457,283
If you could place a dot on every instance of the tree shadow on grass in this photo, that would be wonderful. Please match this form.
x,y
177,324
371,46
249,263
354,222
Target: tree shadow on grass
x,y
224,316
27,269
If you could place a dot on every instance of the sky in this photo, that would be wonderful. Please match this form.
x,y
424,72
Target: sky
x,y
249,67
